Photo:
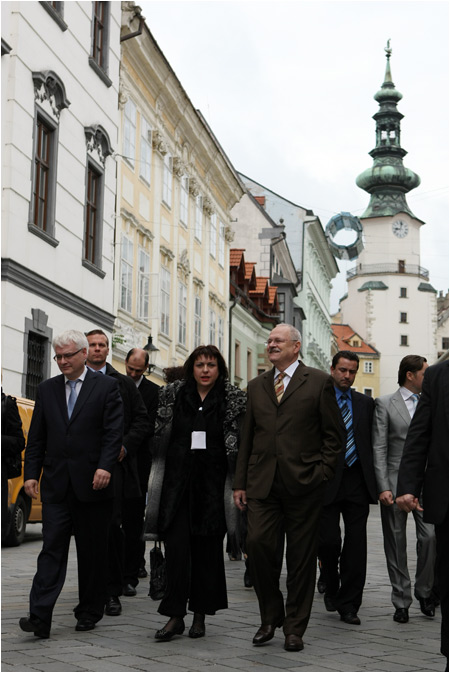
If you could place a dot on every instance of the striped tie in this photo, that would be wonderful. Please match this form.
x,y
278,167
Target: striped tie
x,y
350,446
279,386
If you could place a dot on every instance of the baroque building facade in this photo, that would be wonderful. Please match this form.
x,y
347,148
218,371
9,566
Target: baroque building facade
x,y
60,81
390,301
315,267
176,188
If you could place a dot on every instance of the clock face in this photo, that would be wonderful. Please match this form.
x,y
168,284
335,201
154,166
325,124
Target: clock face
x,y
400,228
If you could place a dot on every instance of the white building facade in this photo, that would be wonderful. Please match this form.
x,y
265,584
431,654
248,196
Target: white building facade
x,y
60,80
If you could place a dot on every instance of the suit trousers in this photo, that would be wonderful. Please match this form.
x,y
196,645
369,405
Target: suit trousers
x,y
442,578
133,510
344,565
89,522
116,539
300,515
195,569
394,521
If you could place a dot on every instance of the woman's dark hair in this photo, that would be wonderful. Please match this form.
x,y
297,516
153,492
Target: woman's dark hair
x,y
172,374
209,352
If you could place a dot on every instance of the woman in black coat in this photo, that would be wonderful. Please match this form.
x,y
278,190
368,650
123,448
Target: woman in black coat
x,y
196,441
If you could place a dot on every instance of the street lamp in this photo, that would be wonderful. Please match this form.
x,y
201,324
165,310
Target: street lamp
x,y
151,350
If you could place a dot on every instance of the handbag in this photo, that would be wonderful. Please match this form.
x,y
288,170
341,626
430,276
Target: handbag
x,y
158,573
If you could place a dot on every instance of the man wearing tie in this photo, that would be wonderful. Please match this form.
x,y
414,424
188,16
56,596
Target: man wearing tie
x,y
74,439
290,443
349,494
393,414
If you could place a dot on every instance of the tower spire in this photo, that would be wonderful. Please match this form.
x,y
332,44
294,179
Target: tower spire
x,y
388,180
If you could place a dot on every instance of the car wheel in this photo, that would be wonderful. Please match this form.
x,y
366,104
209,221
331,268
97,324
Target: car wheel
x,y
18,525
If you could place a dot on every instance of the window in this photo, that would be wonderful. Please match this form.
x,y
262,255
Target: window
x,y
282,305
368,367
220,334
42,174
222,245
401,266
403,317
145,165
368,392
197,320
165,300
126,274
35,363
403,292
167,180
56,11
129,132
445,343
212,327
213,235
98,59
355,343
93,216
403,340
237,359
249,365
143,284
184,200
198,217
182,311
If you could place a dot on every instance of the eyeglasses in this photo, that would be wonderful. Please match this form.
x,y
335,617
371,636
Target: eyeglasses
x,y
66,356
276,342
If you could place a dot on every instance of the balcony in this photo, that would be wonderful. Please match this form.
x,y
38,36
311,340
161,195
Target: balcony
x,y
382,269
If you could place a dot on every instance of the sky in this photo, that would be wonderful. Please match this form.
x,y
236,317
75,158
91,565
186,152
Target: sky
x,y
287,88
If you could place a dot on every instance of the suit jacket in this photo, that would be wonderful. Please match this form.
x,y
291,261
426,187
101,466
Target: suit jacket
x,y
149,393
136,429
301,435
362,408
71,450
424,462
390,427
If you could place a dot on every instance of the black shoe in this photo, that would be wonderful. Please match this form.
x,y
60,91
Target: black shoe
x,y
113,606
321,586
34,625
247,579
197,629
266,632
85,624
129,590
329,605
293,643
142,572
427,606
401,615
350,618
167,634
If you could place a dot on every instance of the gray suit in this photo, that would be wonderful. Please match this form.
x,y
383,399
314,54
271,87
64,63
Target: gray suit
x,y
390,427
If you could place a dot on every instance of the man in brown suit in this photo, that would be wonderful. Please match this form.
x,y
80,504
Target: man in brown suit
x,y
290,443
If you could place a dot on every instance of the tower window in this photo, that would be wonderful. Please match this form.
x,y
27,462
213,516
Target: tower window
x,y
403,292
401,266
403,340
403,317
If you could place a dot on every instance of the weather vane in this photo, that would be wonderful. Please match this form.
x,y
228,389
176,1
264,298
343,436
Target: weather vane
x,y
388,49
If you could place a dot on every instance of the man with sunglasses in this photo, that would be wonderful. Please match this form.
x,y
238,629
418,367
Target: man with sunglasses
x,y
75,438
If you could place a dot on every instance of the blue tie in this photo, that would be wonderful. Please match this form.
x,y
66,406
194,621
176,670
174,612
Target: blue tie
x,y
350,446
72,397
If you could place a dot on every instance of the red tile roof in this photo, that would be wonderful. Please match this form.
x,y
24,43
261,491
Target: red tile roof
x,y
344,335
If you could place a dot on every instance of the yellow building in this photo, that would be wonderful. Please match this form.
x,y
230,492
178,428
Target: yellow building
x,y
176,188
367,380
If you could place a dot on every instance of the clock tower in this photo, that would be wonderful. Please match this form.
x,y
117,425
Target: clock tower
x,y
390,301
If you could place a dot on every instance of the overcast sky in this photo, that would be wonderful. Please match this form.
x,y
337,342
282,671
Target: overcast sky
x,y
287,87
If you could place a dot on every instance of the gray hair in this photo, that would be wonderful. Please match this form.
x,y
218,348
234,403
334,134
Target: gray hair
x,y
293,331
71,336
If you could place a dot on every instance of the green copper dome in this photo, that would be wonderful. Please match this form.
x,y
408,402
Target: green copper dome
x,y
388,180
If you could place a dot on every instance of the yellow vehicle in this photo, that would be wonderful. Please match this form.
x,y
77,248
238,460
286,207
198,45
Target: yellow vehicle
x,y
22,509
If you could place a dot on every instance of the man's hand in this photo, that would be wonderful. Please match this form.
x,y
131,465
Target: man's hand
x,y
408,502
122,454
386,498
101,479
240,499
31,487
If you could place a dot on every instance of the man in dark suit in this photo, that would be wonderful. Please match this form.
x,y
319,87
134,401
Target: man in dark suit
x,y
349,494
75,437
136,365
136,429
424,468
290,443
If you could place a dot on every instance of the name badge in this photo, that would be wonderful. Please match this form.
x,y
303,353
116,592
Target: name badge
x,y
198,440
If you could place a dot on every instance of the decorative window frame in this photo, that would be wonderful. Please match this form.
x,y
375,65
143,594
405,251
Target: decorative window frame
x,y
57,13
